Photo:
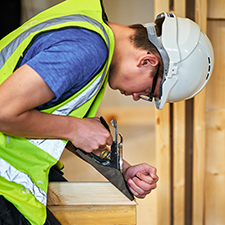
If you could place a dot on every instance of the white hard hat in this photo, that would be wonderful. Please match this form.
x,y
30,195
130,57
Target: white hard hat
x,y
187,56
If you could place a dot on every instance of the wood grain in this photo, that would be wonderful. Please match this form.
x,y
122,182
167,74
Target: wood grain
x,y
91,203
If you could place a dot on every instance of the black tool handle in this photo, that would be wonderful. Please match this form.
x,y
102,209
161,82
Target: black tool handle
x,y
104,123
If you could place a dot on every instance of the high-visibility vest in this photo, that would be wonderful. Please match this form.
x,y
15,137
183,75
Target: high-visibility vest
x,y
25,163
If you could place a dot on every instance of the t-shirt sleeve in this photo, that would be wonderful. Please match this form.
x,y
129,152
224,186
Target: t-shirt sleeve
x,y
69,61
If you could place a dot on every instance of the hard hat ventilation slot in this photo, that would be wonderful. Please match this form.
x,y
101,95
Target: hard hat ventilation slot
x,y
209,68
209,60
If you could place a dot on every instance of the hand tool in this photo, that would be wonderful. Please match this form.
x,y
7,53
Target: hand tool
x,y
109,163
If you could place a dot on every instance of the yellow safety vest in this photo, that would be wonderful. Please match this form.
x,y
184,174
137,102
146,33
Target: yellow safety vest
x,y
25,163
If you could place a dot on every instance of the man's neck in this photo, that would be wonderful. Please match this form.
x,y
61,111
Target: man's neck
x,y
123,44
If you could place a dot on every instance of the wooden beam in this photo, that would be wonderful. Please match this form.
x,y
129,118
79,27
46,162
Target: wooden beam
x,y
179,163
199,161
215,170
215,132
199,133
179,145
163,157
90,203
189,137
163,149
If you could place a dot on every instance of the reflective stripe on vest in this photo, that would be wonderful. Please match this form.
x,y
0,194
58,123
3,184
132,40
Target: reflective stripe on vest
x,y
12,46
11,174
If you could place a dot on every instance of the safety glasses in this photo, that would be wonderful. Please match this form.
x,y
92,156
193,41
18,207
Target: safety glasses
x,y
150,94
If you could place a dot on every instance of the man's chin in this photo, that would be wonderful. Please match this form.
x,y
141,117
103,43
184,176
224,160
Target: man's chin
x,y
111,85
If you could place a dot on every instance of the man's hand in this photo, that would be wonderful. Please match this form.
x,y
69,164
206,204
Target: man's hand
x,y
91,135
141,179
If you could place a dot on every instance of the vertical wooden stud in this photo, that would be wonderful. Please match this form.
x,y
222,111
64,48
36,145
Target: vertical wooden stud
x,y
199,133
179,163
179,145
163,154
163,166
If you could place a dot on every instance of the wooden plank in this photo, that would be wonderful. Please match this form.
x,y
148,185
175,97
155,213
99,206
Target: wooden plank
x,y
163,154
215,117
78,193
199,133
179,163
216,9
94,215
90,203
179,145
215,171
199,161
163,158
201,14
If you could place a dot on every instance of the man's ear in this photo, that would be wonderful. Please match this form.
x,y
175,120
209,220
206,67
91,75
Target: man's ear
x,y
147,60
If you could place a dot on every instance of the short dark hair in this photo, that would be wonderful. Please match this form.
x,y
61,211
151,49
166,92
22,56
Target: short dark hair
x,y
140,41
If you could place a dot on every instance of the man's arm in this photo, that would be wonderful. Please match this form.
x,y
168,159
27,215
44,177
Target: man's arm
x,y
22,92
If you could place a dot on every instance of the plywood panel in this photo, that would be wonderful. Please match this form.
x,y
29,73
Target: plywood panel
x,y
216,9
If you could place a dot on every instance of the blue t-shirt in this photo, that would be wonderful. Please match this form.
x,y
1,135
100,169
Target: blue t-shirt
x,y
66,60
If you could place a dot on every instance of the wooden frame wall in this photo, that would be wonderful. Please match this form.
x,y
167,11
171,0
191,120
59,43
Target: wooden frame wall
x,y
180,141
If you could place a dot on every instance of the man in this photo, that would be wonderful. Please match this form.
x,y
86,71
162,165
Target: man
x,y
54,70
